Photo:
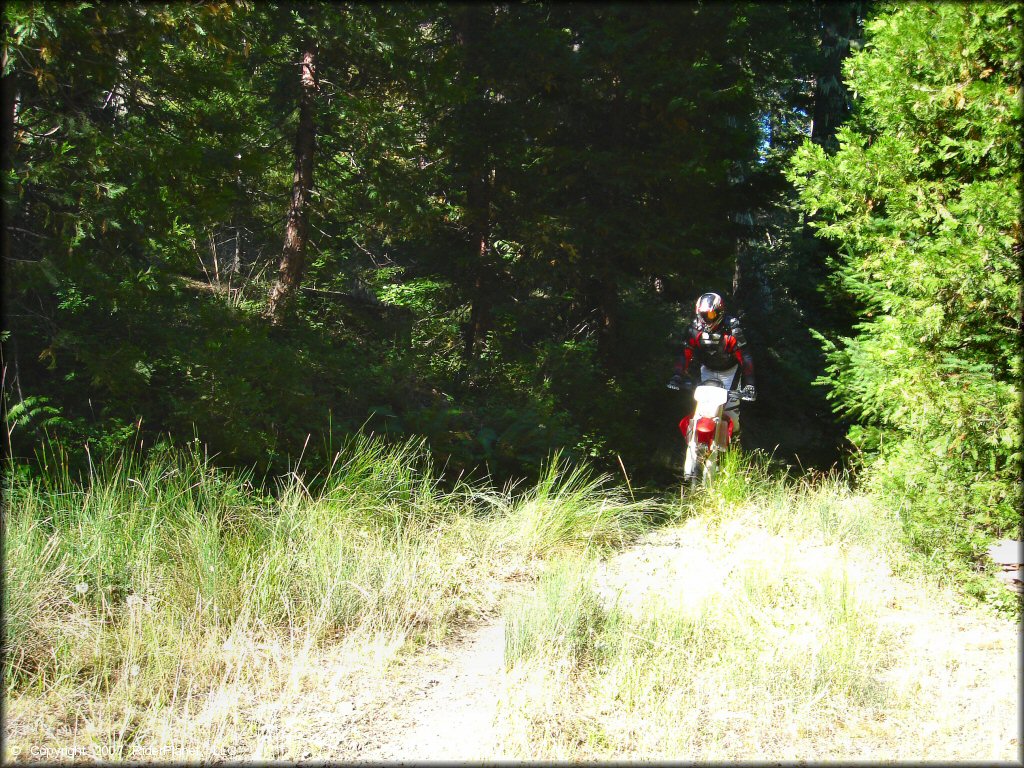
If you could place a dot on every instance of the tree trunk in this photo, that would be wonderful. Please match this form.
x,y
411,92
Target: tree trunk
x,y
737,274
840,24
603,297
293,256
478,202
236,262
468,23
10,105
603,263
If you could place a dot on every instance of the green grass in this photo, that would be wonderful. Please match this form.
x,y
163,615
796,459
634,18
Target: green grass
x,y
599,684
569,505
831,508
561,617
139,601
144,581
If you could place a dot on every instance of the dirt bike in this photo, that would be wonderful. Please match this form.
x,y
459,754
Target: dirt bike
x,y
707,431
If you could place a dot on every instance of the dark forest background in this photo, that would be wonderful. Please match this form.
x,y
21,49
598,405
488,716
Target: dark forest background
x,y
265,226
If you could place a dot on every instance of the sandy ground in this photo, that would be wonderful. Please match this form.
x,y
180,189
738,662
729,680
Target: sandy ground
x,y
969,678
447,711
960,663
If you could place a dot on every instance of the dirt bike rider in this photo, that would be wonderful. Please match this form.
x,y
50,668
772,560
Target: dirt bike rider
x,y
721,344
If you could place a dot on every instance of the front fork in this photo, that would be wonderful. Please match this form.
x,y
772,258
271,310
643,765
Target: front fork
x,y
702,460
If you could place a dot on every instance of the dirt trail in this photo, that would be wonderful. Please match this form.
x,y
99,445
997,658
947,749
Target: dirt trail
x,y
376,704
959,662
371,700
447,710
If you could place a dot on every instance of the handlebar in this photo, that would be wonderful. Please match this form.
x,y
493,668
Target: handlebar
x,y
733,396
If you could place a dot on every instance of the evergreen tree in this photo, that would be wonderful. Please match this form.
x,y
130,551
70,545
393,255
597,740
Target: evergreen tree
x,y
923,199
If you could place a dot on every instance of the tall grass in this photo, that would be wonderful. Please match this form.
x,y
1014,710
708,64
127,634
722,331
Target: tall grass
x,y
153,576
562,617
570,505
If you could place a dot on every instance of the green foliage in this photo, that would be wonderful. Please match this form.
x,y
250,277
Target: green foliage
x,y
35,413
923,197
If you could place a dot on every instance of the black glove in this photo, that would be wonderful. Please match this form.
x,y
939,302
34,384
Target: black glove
x,y
748,393
678,382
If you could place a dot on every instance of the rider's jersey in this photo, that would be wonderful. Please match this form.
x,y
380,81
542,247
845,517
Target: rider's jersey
x,y
719,349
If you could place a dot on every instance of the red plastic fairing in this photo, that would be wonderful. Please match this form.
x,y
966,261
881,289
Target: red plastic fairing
x,y
705,430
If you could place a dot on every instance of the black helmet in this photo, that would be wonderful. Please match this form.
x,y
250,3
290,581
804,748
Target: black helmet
x,y
710,310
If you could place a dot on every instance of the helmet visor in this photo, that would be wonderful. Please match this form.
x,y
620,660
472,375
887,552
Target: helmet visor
x,y
710,318
709,310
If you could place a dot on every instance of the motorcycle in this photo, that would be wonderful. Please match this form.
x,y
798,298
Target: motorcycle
x,y
707,432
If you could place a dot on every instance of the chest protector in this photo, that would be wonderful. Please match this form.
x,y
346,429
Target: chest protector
x,y
718,347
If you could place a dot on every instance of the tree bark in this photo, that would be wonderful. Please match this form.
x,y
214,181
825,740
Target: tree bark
x,y
468,23
293,255
605,299
840,23
604,261
10,105
479,233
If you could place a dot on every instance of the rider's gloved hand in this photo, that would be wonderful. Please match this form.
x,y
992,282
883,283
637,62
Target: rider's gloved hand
x,y
679,382
748,393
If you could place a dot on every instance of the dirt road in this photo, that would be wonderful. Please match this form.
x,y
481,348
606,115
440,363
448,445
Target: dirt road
x,y
446,710
373,701
960,659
